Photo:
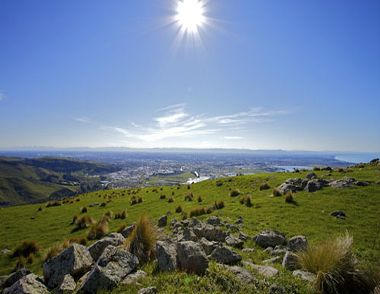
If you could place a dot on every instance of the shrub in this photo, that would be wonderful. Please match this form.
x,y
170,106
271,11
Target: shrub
x,y
335,266
162,196
141,242
133,200
264,186
75,217
83,210
289,198
77,200
234,193
26,248
178,209
199,199
276,192
219,204
82,223
188,187
210,209
170,200
99,230
197,211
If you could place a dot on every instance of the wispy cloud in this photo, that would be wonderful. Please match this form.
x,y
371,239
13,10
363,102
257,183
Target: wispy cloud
x,y
175,122
83,119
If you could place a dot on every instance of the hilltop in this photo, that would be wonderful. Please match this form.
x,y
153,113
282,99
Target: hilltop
x,y
24,180
356,195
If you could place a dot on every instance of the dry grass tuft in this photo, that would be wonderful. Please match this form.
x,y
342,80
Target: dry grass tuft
x,y
142,240
121,215
26,249
276,192
235,193
99,230
264,186
218,205
198,211
246,200
82,222
178,209
289,198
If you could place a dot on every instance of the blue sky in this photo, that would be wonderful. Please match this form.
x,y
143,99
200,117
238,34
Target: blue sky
x,y
296,75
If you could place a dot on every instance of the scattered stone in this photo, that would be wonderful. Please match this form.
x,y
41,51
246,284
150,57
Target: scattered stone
x,y
338,214
112,267
276,289
67,286
269,239
290,261
224,255
243,236
264,270
361,183
28,284
191,257
343,183
74,260
234,242
163,221
208,246
5,251
248,250
13,278
311,176
166,253
278,252
96,249
292,185
132,279
240,220
272,260
297,243
241,274
210,232
213,220
187,234
127,231
149,290
306,276
314,185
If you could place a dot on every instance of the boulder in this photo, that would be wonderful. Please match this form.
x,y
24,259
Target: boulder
x,y
163,221
191,257
28,284
74,260
269,239
148,290
210,232
290,261
314,185
241,274
362,183
187,234
272,260
338,214
67,286
224,255
234,242
343,183
127,231
213,220
243,236
98,247
166,254
112,267
277,289
208,246
264,270
297,243
306,276
13,278
132,279
311,176
292,185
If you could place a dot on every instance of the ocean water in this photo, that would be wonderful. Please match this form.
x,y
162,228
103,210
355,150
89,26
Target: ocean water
x,y
357,157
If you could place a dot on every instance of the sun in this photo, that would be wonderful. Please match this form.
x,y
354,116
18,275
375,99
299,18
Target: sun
x,y
190,15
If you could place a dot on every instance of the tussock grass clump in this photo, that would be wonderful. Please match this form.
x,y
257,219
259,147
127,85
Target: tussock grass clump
x,y
121,215
121,228
264,186
246,200
103,204
135,200
184,215
83,210
316,168
189,197
39,208
142,240
162,196
108,215
53,203
336,268
99,230
198,211
219,183
235,193
53,251
178,209
219,204
289,198
26,249
276,192
199,199
171,199
83,222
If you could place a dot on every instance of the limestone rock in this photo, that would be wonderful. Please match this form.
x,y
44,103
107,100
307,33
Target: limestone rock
x,y
98,247
306,276
290,261
269,239
225,256
127,231
148,290
191,257
163,221
166,253
234,242
67,286
28,284
297,243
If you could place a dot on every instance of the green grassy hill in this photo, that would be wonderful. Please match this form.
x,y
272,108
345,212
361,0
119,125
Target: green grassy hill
x,y
310,216
33,180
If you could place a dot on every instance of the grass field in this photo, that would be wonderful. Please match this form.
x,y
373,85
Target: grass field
x,y
310,216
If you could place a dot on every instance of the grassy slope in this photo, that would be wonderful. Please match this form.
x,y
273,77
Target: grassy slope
x,y
310,217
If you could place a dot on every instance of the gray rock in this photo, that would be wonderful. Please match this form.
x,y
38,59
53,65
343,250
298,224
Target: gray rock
x,y
163,221
248,250
67,286
74,260
5,251
362,183
132,279
306,276
187,234
166,254
98,247
224,255
234,242
239,221
264,270
278,252
292,185
241,274
272,260
213,220
191,257
127,231
148,290
311,176
28,284
210,232
314,185
269,239
297,243
112,267
243,236
13,278
343,183
290,261
276,289
208,246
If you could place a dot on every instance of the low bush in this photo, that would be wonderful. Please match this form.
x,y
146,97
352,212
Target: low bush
x,y
235,193
184,215
142,241
276,192
53,203
39,208
199,199
103,204
219,183
26,248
